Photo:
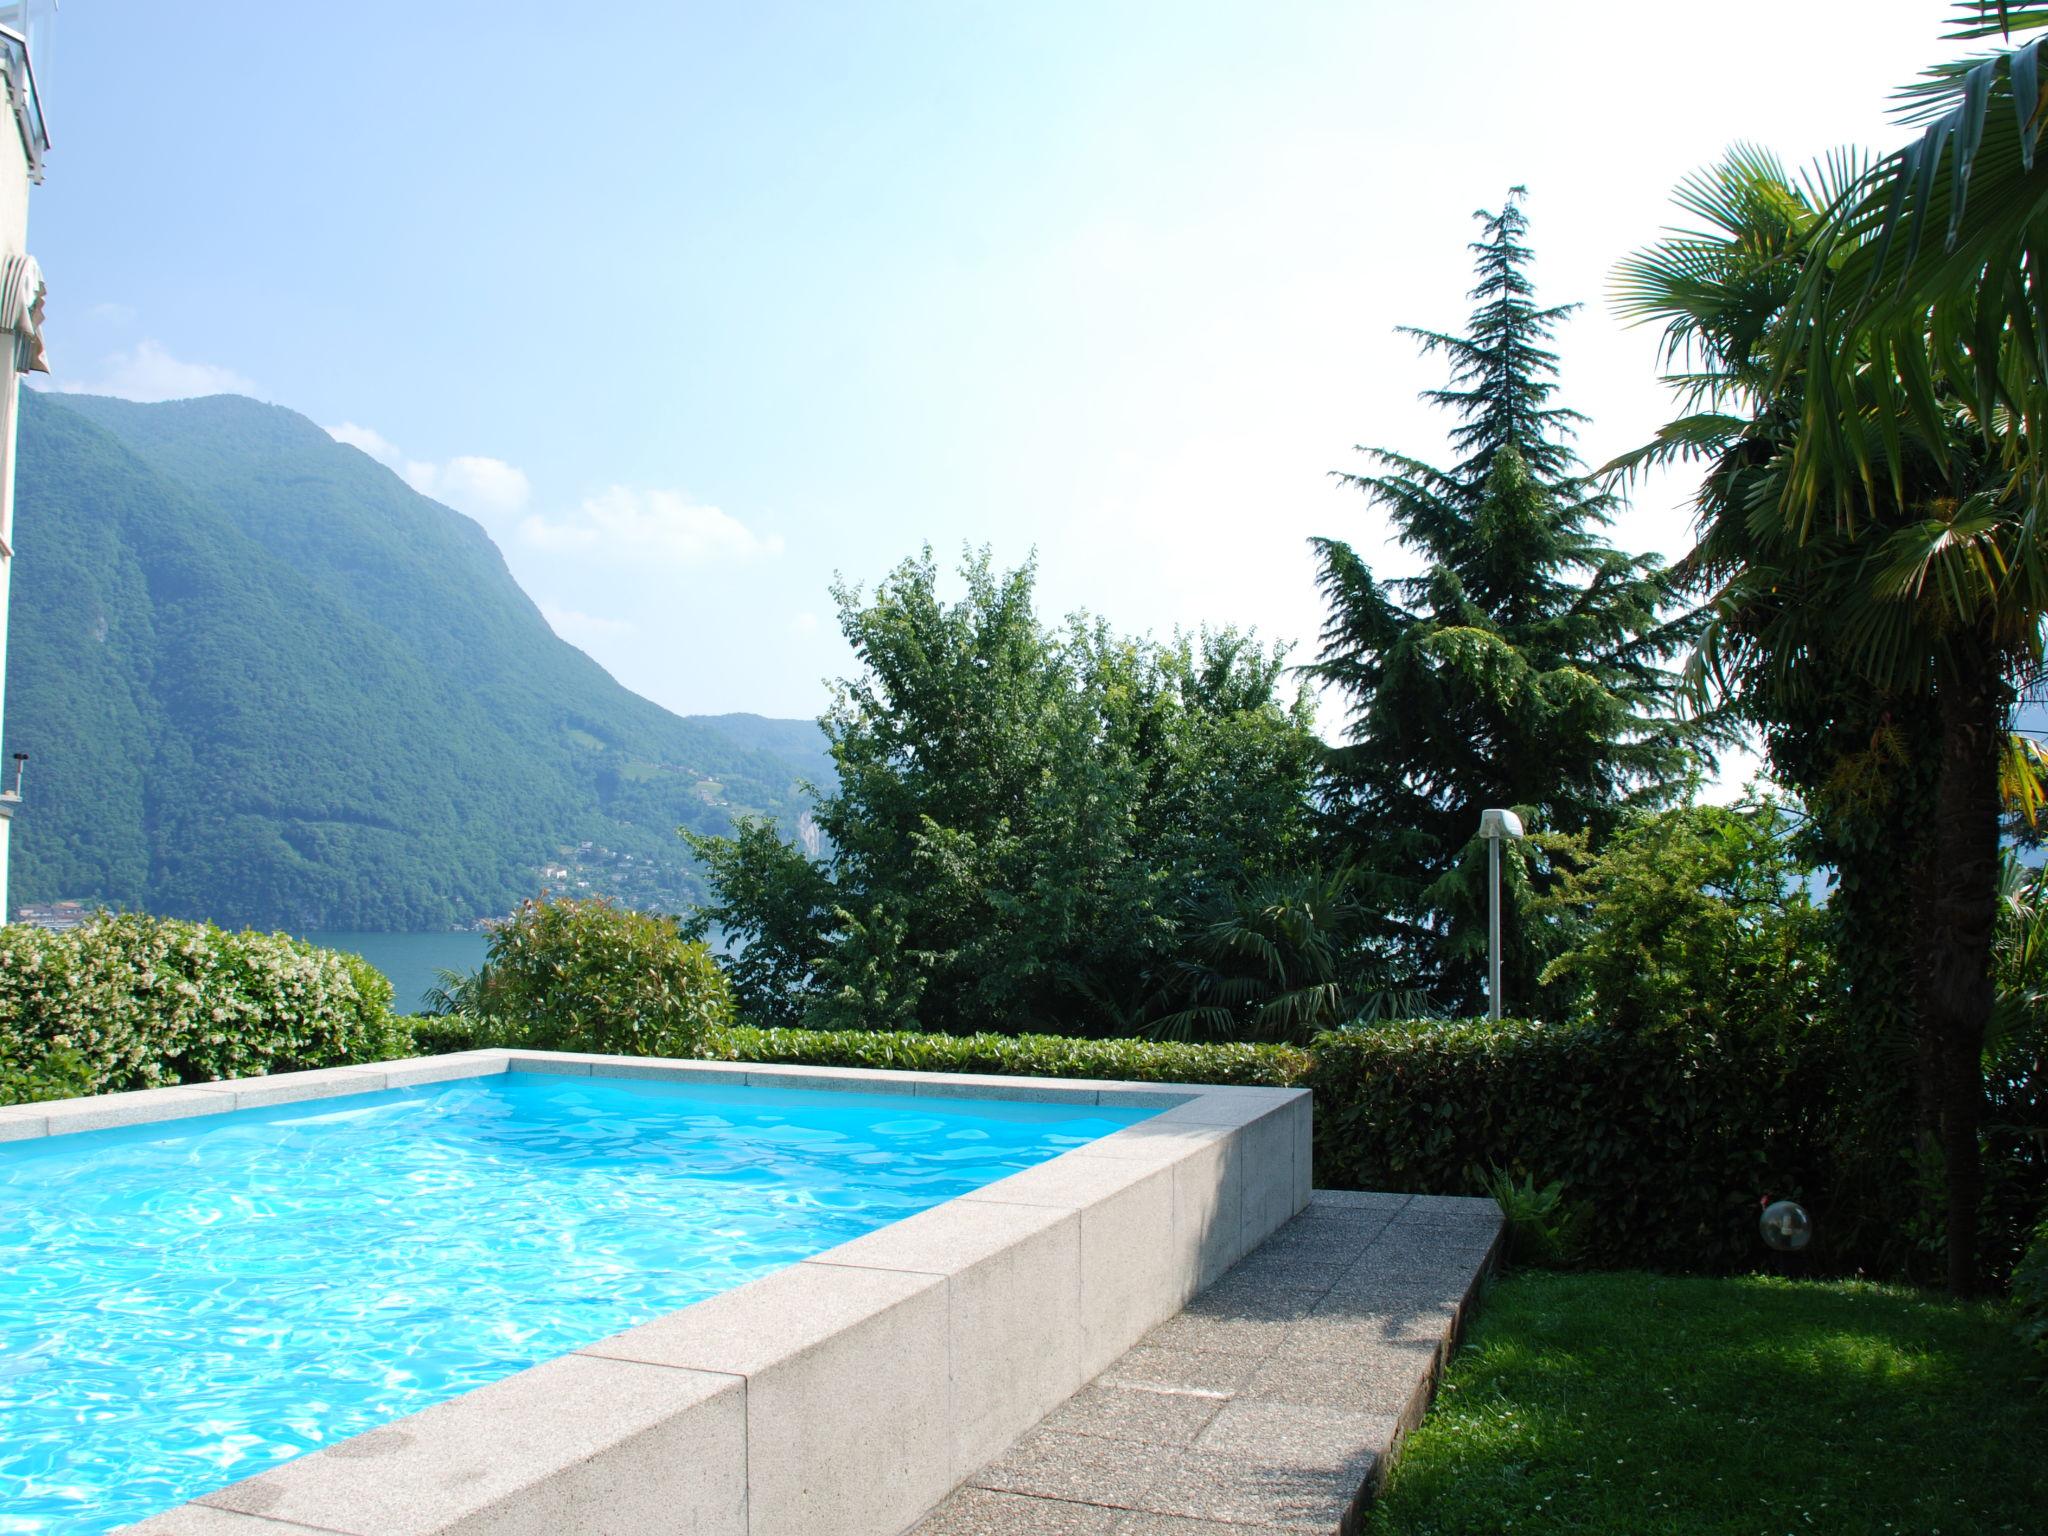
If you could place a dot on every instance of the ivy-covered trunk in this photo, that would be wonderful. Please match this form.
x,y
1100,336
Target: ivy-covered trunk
x,y
1962,916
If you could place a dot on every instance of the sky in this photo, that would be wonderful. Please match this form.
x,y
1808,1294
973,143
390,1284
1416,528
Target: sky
x,y
698,307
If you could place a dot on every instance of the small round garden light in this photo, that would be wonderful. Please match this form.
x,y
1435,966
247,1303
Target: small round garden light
x,y
1786,1226
1493,826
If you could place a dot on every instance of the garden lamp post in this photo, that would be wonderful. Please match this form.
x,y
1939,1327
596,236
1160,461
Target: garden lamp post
x,y
1493,826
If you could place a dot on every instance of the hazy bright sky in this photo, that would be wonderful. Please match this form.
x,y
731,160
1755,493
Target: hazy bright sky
x,y
694,306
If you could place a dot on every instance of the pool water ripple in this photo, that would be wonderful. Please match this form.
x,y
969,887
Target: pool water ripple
x,y
188,1303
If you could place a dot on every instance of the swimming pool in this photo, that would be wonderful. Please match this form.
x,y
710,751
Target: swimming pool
x,y
186,1303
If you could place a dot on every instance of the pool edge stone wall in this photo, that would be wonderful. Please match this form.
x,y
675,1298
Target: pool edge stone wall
x,y
850,1392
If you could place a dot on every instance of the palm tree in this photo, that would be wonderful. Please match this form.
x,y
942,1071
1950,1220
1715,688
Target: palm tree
x,y
1921,328
1933,256
1923,585
1279,957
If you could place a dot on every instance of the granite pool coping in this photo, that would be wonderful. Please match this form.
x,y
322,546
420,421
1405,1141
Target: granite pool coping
x,y
850,1392
1275,1401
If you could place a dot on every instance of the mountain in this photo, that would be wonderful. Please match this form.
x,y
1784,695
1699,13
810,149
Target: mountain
x,y
264,681
800,743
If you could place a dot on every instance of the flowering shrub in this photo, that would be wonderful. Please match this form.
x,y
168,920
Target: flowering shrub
x,y
569,975
138,1002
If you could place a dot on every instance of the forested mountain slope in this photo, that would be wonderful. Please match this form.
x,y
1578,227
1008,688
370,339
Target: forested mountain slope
x,y
800,743
264,681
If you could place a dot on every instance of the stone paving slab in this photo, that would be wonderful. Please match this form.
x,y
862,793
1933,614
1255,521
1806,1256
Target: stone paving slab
x,y
1272,1402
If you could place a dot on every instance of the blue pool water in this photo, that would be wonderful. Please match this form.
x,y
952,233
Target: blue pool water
x,y
188,1303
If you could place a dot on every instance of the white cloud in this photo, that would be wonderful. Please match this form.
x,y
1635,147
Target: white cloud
x,y
483,487
148,372
370,440
489,490
652,525
577,627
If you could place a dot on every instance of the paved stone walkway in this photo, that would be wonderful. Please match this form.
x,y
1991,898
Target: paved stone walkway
x,y
1272,1402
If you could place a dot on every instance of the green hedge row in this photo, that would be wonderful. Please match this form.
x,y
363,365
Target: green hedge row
x,y
2030,1299
139,1002
1150,1061
1669,1139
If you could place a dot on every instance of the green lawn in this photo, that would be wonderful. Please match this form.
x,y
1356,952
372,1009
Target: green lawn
x,y
1644,1404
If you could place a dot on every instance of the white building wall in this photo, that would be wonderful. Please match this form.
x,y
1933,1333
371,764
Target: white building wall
x,y
14,185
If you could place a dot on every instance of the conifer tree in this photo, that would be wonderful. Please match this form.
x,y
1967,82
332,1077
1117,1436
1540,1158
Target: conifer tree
x,y
1525,666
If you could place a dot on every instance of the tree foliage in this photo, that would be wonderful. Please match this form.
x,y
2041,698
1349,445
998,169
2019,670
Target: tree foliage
x,y
1697,917
1026,821
1930,265
1907,606
1274,958
1524,667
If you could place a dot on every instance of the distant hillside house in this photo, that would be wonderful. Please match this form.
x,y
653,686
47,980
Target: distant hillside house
x,y
57,916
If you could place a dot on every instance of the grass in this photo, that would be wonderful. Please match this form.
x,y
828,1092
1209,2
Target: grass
x,y
1640,1403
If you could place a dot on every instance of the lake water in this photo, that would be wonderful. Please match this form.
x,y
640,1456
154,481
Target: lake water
x,y
413,961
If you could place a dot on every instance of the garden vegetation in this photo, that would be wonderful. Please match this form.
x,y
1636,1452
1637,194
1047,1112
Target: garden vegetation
x,y
142,1002
1048,847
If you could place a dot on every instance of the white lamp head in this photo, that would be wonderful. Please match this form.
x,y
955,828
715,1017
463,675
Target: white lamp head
x,y
1786,1226
1499,824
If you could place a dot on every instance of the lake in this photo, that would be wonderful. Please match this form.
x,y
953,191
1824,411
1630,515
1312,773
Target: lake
x,y
413,961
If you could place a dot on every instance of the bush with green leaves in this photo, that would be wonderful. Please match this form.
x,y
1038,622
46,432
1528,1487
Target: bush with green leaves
x,y
57,1074
1280,957
2016,1079
564,974
137,1002
1696,917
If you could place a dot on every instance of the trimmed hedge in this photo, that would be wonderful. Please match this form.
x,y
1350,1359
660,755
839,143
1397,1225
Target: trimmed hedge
x,y
1669,1139
437,1034
1149,1061
902,1050
140,1002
